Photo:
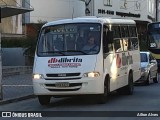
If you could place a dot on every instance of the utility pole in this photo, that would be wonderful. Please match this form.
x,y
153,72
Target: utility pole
x,y
157,10
0,14
1,95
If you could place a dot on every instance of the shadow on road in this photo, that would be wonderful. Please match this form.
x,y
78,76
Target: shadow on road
x,y
82,100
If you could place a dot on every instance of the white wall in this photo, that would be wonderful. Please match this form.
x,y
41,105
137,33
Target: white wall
x,y
49,10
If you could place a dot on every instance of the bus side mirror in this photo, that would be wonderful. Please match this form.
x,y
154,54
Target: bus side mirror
x,y
110,36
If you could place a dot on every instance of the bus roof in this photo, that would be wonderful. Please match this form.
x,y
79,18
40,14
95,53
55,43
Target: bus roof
x,y
91,19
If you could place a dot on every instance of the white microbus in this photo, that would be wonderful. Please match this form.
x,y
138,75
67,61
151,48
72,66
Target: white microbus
x,y
86,56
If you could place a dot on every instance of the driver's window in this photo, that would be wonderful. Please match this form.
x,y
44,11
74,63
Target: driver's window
x,y
107,47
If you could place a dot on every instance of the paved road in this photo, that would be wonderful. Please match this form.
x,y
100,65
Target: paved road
x,y
145,98
16,86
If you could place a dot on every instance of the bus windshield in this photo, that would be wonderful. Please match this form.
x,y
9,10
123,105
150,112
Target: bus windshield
x,y
154,39
154,35
70,39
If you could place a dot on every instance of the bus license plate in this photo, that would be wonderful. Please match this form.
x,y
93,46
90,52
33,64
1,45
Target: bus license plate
x,y
62,84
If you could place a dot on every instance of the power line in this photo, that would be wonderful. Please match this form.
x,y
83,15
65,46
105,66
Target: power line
x,y
4,2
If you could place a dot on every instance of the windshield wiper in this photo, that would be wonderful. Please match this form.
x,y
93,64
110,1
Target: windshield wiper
x,y
60,52
76,51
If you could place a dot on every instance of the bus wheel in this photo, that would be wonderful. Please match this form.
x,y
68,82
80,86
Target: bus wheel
x,y
130,87
44,99
103,97
155,80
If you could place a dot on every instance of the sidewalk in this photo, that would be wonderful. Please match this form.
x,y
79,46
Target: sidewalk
x,y
16,88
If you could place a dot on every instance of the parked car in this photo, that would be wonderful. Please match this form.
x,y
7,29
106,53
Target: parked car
x,y
149,69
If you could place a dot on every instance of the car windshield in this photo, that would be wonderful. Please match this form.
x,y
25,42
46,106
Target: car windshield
x,y
69,39
144,57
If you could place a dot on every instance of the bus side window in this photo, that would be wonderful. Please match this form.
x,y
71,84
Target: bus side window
x,y
110,47
124,31
125,44
118,47
133,37
129,45
134,43
107,47
125,36
116,31
117,42
132,31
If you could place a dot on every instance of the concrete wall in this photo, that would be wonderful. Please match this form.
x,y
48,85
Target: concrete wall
x,y
11,25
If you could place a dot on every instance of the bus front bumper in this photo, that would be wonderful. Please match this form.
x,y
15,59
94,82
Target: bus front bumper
x,y
69,87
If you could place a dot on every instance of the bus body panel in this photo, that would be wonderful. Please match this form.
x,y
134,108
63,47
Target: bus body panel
x,y
87,85
68,75
136,65
51,64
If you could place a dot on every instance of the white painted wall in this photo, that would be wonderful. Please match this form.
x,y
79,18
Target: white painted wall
x,y
49,10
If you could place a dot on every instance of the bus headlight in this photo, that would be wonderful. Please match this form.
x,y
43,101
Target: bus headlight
x,y
37,76
91,74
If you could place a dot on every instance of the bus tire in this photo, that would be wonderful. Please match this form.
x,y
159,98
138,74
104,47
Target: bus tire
x,y
130,87
103,97
44,99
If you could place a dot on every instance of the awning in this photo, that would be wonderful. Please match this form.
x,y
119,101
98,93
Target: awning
x,y
8,11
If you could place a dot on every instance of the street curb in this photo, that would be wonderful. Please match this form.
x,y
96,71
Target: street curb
x,y
2,102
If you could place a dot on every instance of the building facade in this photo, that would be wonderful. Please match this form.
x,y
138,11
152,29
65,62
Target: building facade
x,y
13,24
142,11
11,17
158,10
50,10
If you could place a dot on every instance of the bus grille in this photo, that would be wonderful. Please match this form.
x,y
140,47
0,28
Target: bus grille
x,y
63,75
